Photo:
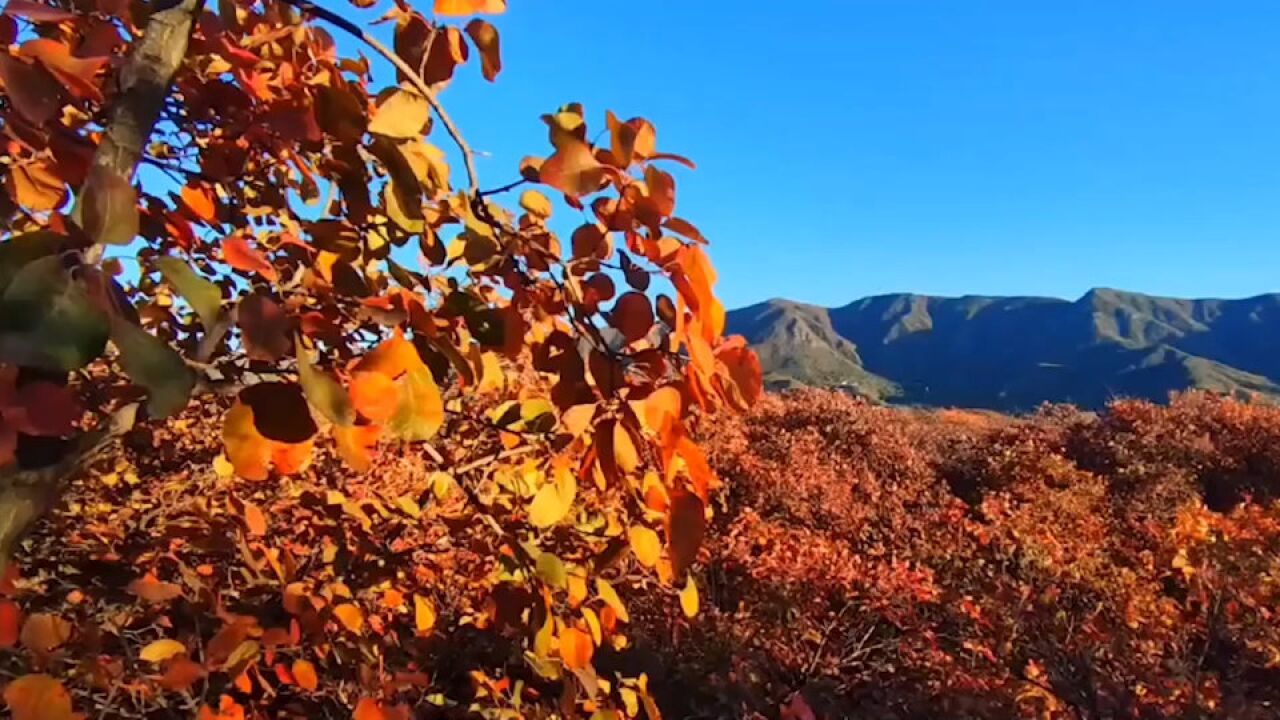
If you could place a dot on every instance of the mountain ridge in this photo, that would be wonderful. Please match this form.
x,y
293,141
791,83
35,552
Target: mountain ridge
x,y
1016,352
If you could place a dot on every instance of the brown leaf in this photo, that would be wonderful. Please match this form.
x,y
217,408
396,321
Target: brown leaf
x,y
485,36
43,632
110,208
152,590
340,114
686,524
264,326
632,315
280,411
32,89
573,169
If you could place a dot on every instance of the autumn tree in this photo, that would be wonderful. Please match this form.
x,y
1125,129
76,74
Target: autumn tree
x,y
263,265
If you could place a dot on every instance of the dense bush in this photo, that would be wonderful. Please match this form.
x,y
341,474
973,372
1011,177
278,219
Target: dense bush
x,y
896,564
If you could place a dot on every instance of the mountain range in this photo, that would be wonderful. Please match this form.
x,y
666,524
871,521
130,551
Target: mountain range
x,y
1014,353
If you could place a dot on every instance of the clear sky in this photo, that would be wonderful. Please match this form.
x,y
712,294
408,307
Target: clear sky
x,y
853,147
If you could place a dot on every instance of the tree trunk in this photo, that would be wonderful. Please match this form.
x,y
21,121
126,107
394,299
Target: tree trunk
x,y
143,83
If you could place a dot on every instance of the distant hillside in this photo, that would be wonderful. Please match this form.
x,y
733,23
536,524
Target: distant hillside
x,y
1013,353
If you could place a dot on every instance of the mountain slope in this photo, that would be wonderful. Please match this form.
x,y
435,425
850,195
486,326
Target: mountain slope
x,y
1013,353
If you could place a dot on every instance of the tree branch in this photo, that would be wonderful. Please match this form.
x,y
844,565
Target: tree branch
x,y
415,78
143,83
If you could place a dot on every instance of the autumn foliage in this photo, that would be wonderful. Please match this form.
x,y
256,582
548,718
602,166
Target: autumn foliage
x,y
386,433
869,562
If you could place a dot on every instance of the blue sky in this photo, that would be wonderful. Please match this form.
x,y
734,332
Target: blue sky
x,y
855,147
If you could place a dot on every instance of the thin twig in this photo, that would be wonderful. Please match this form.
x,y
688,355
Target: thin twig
x,y
415,78
504,188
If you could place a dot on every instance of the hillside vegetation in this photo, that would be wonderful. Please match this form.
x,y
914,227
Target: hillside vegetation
x,y
864,562
1013,353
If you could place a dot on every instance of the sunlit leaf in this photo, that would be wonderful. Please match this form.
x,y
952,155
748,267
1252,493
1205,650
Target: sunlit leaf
x,y
402,114
421,410
160,650
321,390
355,445
469,7
645,544
573,170
254,520
304,673
237,253
246,448
350,616
203,296
424,615
689,598
374,395
610,598
575,648
553,500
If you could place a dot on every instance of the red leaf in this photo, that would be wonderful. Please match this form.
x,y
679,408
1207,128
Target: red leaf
x,y
45,410
239,255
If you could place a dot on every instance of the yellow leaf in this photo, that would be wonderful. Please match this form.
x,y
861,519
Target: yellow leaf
x,y
424,615
536,204
689,598
593,624
350,616
554,499
610,598
645,544
162,650
401,115
222,467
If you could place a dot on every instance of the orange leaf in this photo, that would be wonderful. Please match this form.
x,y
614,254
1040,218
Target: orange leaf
x,y
469,7
700,473
77,74
350,616
392,357
239,255
355,445
248,451
685,228
291,458
304,673
573,169
662,410
201,201
254,520
575,648
36,185
38,697
374,395
485,36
